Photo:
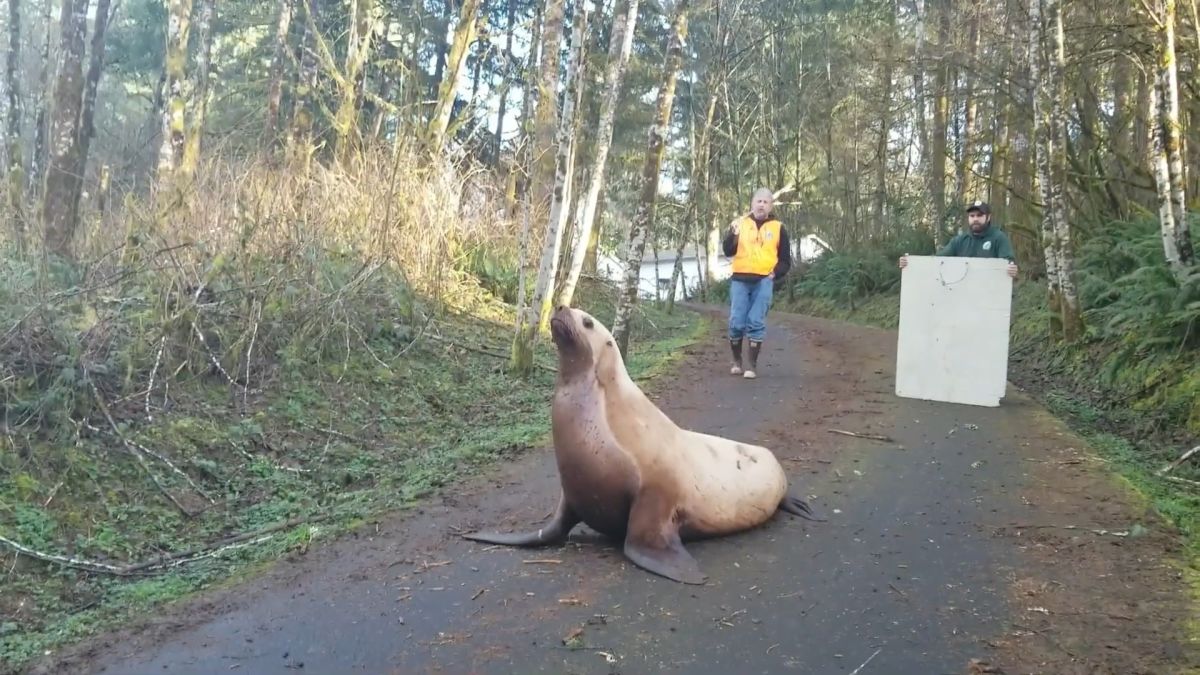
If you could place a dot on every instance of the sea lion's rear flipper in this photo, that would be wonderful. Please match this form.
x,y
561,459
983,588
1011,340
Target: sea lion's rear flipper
x,y
798,507
554,532
652,541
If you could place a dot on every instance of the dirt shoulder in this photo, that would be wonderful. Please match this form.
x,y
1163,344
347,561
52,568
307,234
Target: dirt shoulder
x,y
974,533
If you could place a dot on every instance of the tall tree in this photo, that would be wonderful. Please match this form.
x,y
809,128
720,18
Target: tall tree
x,y
195,131
619,48
643,220
59,217
13,131
87,127
1072,313
464,35
174,117
283,24
542,170
1168,144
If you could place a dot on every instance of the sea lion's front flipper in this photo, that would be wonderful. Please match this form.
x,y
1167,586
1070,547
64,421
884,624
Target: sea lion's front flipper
x,y
798,507
554,532
652,541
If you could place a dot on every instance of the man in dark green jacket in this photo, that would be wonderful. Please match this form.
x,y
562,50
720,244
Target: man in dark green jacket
x,y
981,240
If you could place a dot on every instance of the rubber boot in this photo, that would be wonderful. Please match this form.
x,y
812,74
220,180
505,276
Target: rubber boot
x,y
736,347
752,368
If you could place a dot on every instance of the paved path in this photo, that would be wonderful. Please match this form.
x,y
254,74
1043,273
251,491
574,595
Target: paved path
x,y
939,548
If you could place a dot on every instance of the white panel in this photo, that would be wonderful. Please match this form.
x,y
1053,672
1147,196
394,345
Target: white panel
x,y
953,333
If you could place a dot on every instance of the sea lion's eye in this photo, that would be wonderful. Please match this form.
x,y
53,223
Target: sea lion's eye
x,y
609,343
587,323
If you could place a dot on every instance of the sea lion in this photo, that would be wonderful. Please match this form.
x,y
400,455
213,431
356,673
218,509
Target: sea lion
x,y
629,472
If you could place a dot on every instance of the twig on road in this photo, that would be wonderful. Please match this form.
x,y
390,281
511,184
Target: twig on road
x,y
1100,532
858,670
874,437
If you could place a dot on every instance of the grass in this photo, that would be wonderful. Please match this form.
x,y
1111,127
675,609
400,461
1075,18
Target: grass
x,y
286,357
342,441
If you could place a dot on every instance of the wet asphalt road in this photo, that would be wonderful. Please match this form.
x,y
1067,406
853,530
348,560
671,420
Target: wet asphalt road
x,y
904,577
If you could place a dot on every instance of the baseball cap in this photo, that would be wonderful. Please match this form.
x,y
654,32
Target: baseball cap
x,y
979,206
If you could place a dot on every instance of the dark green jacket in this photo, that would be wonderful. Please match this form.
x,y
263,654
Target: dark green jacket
x,y
991,243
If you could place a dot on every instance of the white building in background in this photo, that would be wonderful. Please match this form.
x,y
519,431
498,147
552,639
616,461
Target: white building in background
x,y
612,267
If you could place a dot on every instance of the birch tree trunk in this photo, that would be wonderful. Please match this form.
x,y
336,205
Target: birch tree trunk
x,y
1162,181
59,217
174,130
643,219
1171,131
543,297
278,64
195,130
16,165
1038,93
543,170
1072,313
464,35
619,48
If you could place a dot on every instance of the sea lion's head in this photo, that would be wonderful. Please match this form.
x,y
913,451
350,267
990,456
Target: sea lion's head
x,y
583,344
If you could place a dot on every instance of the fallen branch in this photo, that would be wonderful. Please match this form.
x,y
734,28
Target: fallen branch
x,y
1175,465
138,451
485,352
162,562
1182,481
874,437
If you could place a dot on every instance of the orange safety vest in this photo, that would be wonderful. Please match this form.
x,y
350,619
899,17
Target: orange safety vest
x,y
758,247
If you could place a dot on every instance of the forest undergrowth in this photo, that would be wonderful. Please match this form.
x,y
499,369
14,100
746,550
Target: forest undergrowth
x,y
286,355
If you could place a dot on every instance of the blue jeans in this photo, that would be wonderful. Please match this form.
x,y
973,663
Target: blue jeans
x,y
748,305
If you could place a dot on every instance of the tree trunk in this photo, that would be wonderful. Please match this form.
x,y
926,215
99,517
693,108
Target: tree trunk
x,y
560,211
643,220
195,130
1072,313
543,172
506,76
464,35
1168,82
966,183
278,65
358,51
37,163
619,48
1042,132
16,165
941,109
1162,180
920,53
59,217
174,131
304,98
87,129
881,145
